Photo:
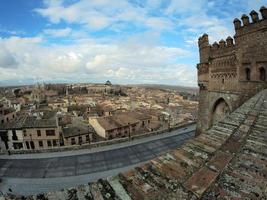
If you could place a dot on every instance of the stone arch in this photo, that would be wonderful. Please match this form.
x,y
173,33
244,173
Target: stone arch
x,y
262,74
219,110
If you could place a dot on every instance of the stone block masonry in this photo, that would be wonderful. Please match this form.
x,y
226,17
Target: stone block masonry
x,y
232,70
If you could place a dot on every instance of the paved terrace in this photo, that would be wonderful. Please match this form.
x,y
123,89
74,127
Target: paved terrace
x,y
34,173
227,162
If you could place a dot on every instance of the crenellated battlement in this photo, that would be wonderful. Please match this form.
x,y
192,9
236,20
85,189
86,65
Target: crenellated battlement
x,y
232,69
203,41
208,51
224,46
252,23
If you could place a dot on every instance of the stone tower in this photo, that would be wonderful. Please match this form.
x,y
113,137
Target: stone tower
x,y
232,70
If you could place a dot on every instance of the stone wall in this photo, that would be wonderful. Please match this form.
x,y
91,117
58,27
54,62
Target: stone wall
x,y
233,69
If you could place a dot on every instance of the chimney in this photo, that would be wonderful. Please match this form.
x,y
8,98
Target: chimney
x,y
263,11
245,20
254,15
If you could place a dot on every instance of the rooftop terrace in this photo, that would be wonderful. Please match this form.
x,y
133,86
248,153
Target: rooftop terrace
x,y
227,162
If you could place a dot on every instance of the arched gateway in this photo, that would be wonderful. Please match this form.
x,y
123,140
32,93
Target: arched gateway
x,y
219,111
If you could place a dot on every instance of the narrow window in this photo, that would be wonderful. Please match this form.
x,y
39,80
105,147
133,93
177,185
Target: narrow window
x,y
38,133
247,70
41,144
73,141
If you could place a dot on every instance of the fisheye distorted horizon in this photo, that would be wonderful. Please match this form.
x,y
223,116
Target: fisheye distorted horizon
x,y
124,41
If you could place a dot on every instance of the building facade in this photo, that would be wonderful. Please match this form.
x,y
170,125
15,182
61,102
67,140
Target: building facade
x,y
29,132
232,70
121,125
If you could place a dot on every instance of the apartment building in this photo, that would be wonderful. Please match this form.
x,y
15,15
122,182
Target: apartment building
x,y
120,125
31,131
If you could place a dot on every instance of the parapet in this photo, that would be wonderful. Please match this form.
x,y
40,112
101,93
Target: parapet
x,y
224,46
247,24
203,41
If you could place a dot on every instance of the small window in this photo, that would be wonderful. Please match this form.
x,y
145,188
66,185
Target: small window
x,y
41,144
38,133
80,140
50,132
262,74
247,70
49,143
24,133
54,143
2,121
73,141
87,138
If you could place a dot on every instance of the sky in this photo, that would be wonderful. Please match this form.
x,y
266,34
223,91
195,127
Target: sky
x,y
124,41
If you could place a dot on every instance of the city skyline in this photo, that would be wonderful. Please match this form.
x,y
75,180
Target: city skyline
x,y
124,41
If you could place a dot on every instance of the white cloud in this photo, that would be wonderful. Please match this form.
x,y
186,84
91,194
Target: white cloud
x,y
58,32
119,62
7,60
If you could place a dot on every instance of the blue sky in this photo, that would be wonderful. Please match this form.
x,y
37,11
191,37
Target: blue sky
x,y
125,41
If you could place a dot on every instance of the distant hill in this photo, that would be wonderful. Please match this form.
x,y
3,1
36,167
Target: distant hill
x,y
169,87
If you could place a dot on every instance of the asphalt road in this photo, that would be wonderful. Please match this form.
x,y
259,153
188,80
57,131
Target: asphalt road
x,y
89,163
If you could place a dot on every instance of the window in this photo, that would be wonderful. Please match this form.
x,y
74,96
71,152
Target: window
x,y
2,121
49,143
50,132
80,140
27,145
87,138
73,141
38,133
262,74
24,133
17,145
14,135
247,70
54,143
41,144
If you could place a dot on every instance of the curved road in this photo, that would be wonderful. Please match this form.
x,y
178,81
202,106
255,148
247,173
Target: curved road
x,y
67,168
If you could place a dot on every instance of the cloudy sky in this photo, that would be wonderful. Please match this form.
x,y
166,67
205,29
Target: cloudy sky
x,y
125,41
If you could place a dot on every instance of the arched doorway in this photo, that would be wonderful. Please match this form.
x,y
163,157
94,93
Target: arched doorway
x,y
262,74
219,111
